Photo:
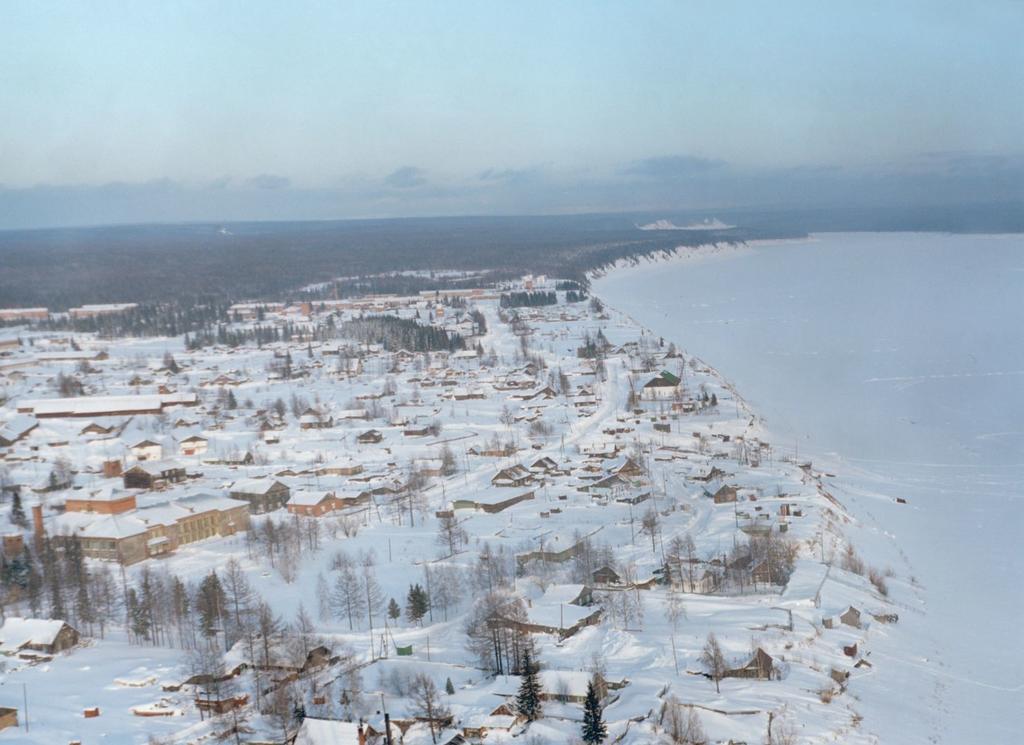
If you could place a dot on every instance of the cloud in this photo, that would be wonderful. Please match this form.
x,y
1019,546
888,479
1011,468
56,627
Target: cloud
x,y
507,174
672,167
268,181
406,177
968,164
667,183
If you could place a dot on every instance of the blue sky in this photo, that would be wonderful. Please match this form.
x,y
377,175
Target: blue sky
x,y
199,110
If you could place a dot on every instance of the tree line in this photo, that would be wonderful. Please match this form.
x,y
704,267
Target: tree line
x,y
395,334
527,299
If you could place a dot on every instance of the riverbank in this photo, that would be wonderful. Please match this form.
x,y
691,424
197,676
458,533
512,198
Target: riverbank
x,y
874,354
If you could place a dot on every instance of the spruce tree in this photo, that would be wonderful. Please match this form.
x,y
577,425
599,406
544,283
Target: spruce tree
x,y
528,699
594,729
448,687
416,603
17,511
393,610
138,616
209,603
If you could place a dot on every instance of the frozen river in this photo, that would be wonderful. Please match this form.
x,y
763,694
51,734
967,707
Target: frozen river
x,y
896,361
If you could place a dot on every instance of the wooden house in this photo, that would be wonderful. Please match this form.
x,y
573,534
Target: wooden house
x,y
310,503
513,476
153,474
314,419
36,634
94,428
263,495
219,704
339,468
314,731
492,501
761,666
544,465
849,617
605,576
725,494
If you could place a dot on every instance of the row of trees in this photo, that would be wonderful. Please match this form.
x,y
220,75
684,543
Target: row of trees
x,y
395,333
527,299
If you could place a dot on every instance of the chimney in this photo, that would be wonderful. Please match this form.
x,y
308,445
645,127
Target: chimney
x,y
361,734
37,522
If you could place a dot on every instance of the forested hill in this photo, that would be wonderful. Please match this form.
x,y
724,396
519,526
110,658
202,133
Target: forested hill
x,y
67,267
61,268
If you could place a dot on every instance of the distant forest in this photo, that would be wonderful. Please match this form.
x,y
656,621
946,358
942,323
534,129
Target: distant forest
x,y
213,265
218,264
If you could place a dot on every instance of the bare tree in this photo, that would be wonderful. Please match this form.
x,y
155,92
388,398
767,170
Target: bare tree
x,y
347,599
713,660
783,731
447,585
450,533
428,704
682,725
674,612
323,598
649,524
493,634
239,595
371,589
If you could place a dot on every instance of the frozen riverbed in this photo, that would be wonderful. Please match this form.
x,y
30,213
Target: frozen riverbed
x,y
897,362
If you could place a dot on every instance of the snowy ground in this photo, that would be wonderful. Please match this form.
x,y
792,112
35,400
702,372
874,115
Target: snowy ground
x,y
639,646
894,361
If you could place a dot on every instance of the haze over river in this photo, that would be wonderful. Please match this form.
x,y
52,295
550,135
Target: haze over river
x,y
895,361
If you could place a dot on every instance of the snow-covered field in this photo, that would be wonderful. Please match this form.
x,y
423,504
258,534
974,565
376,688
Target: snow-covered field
x,y
896,362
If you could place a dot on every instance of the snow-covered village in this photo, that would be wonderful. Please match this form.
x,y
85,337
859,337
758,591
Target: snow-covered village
x,y
494,514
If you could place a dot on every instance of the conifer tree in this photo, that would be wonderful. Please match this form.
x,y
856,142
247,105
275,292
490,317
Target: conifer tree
x,y
448,687
416,603
137,614
210,603
528,699
17,511
394,612
594,729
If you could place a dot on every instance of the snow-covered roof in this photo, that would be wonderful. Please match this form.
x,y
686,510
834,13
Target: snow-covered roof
x,y
570,682
327,732
16,426
17,632
254,486
308,498
95,405
557,615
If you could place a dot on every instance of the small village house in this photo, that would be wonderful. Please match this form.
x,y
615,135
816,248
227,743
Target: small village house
x,y
663,386
153,474
263,495
147,450
194,445
761,666
37,635
516,475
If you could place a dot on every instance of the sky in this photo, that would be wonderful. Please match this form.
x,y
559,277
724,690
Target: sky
x,y
137,112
